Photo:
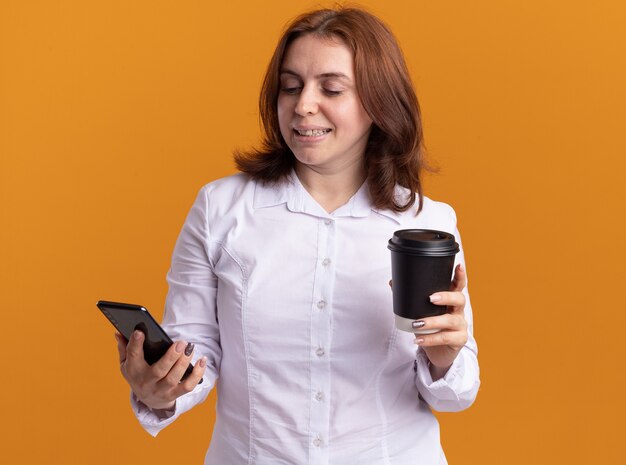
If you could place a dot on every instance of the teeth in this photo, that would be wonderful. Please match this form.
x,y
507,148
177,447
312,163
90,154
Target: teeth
x,y
313,132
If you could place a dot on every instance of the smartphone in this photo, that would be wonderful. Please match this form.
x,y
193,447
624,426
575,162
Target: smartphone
x,y
129,317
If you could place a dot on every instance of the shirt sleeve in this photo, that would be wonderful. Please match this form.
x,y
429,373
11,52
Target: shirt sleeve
x,y
457,390
190,311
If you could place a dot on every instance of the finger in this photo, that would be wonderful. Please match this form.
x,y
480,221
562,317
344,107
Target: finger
x,y
121,346
194,378
451,299
134,363
442,338
390,283
162,367
459,282
180,366
134,348
447,321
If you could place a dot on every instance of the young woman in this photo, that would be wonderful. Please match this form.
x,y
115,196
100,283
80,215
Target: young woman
x,y
280,276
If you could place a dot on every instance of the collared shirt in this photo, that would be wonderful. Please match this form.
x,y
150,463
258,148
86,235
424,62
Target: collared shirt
x,y
292,307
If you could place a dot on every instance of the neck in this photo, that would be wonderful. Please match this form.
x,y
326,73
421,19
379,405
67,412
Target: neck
x,y
331,189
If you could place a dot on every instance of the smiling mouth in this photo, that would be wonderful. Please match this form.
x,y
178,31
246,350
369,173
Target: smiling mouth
x,y
312,132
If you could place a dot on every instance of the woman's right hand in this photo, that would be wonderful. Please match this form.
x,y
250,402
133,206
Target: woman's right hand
x,y
158,385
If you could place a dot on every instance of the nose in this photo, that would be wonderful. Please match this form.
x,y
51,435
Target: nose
x,y
307,102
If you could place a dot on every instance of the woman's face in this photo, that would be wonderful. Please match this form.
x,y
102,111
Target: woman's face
x,y
319,111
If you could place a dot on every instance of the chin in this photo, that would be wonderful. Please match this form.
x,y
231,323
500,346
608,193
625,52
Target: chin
x,y
308,159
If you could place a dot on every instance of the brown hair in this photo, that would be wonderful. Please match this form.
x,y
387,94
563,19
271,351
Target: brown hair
x,y
394,152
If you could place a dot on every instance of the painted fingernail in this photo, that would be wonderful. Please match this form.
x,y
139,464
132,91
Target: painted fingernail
x,y
179,346
189,349
419,340
418,324
435,298
202,362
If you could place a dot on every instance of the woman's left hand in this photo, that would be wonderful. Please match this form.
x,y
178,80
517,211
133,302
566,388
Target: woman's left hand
x,y
443,347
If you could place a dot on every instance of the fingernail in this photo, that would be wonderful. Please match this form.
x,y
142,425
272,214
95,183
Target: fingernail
x,y
418,341
179,346
137,334
202,362
461,267
418,324
435,298
189,349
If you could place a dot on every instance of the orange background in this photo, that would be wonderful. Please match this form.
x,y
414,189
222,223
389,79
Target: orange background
x,y
114,113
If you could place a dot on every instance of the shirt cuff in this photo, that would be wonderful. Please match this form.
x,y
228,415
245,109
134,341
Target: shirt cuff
x,y
456,390
149,419
154,422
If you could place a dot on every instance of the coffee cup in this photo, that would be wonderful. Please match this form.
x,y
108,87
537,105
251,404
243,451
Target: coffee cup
x,y
422,261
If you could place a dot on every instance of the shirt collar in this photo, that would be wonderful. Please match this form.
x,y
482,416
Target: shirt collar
x,y
292,192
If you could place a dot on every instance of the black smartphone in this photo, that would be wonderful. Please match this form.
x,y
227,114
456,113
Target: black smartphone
x,y
129,317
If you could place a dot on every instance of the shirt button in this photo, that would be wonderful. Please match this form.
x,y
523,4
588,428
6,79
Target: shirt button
x,y
317,442
326,262
321,304
319,352
319,396
327,222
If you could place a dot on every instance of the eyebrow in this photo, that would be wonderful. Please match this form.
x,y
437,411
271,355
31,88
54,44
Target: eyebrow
x,y
323,75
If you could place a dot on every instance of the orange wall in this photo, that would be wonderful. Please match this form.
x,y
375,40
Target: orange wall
x,y
114,113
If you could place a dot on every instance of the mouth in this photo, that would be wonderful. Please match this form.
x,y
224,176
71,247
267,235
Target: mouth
x,y
311,132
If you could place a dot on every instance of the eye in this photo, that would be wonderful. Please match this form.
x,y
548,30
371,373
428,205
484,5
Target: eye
x,y
332,87
290,90
290,85
333,93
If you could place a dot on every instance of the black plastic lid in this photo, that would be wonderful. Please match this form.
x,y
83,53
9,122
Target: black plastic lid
x,y
424,242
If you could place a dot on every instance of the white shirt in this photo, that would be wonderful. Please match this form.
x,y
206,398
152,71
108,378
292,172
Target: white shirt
x,y
292,307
